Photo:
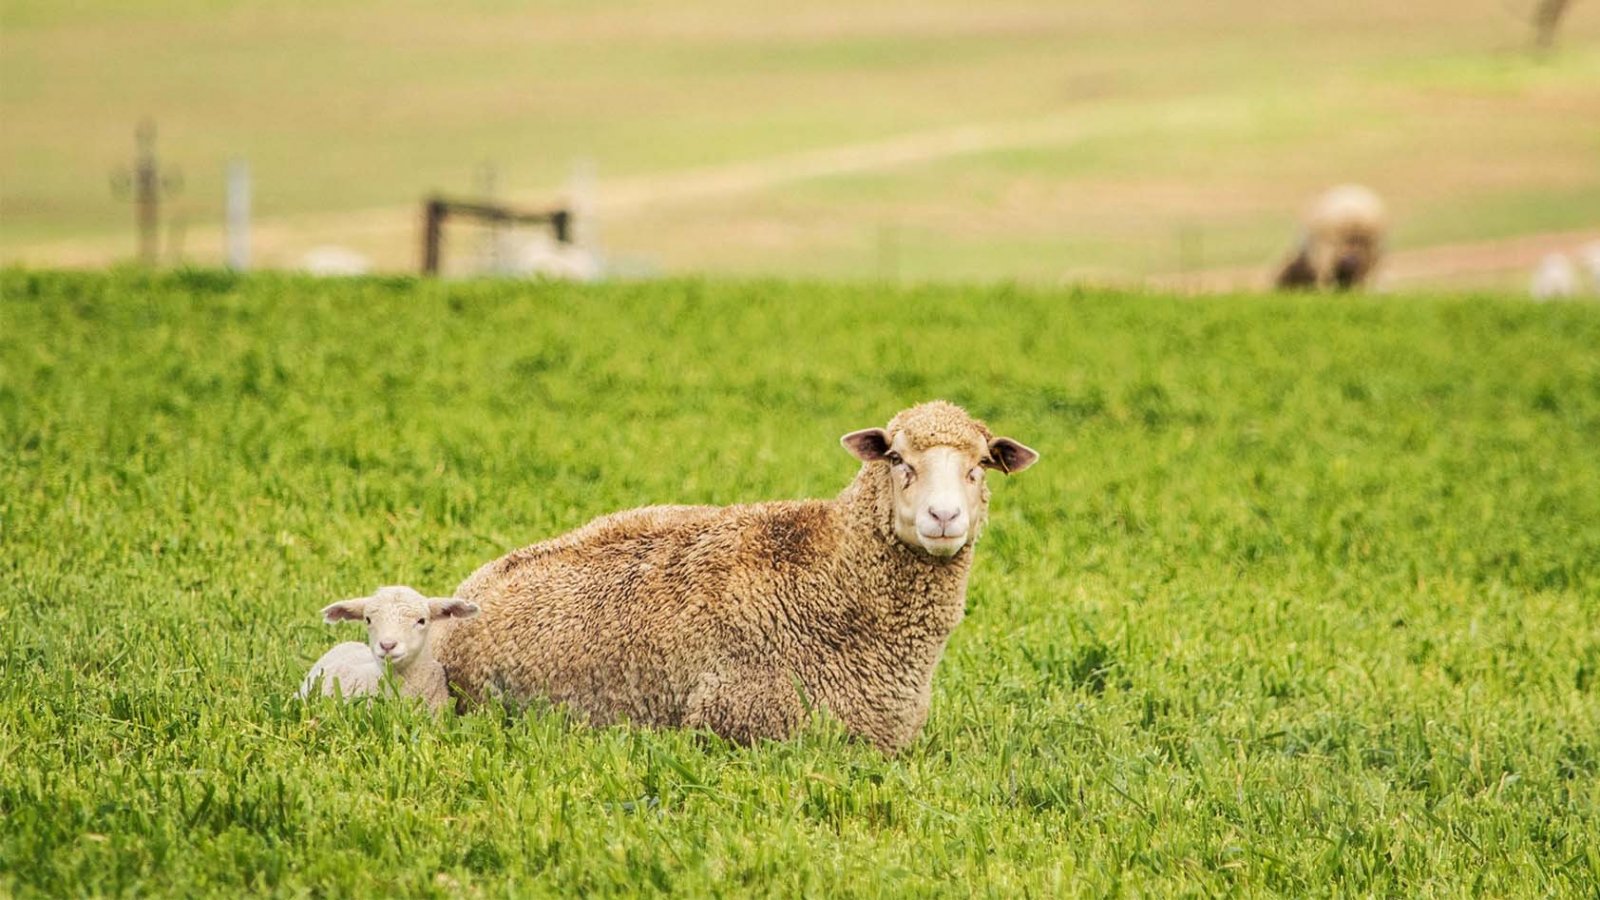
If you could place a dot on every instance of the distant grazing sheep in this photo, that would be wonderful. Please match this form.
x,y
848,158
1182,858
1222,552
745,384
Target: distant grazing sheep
x,y
1590,254
1556,278
334,262
398,620
538,255
1342,243
741,619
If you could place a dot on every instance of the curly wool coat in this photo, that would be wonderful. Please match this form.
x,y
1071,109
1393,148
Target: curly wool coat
x,y
734,619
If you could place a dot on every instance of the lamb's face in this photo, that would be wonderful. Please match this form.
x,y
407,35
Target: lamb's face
x,y
397,620
935,456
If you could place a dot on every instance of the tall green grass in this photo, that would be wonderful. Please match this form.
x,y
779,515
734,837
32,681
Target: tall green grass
x,y
1302,598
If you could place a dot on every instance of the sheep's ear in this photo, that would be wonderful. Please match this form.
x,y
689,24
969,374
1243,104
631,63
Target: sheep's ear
x,y
867,444
345,611
450,607
1010,456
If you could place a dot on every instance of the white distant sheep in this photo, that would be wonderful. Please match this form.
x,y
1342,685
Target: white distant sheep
x,y
1590,255
334,262
397,620
1556,278
533,256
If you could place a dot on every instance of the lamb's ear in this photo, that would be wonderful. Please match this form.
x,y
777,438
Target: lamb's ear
x,y
867,444
450,607
345,611
1010,456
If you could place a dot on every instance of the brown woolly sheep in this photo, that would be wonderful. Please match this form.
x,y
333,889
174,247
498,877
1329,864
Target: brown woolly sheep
x,y
740,619
1342,244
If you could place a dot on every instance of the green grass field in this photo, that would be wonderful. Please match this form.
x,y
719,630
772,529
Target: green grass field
x,y
1302,599
1164,121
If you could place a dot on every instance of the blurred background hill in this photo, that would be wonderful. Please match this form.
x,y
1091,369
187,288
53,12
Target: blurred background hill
x,y
1040,141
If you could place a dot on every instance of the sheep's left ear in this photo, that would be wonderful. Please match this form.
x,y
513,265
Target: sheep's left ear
x,y
345,611
867,444
1010,456
450,607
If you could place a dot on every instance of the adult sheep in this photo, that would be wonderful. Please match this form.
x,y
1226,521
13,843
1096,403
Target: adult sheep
x,y
1342,243
738,619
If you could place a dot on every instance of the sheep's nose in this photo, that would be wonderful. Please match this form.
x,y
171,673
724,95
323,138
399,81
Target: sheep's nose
x,y
946,515
386,646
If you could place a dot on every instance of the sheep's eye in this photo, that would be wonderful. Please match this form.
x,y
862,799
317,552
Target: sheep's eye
x,y
976,474
369,620
421,622
895,459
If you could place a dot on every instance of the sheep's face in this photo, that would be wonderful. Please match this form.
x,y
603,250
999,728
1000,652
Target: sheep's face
x,y
1354,255
397,620
1346,227
935,456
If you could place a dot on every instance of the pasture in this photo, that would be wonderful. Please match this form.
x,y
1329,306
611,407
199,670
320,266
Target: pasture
x,y
1301,599
1022,139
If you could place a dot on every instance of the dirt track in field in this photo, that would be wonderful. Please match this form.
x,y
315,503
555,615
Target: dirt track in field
x,y
278,242
619,198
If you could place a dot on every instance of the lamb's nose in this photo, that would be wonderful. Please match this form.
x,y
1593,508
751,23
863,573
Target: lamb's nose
x,y
386,646
944,516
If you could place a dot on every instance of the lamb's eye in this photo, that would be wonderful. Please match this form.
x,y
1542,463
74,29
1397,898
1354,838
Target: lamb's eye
x,y
975,475
894,459
369,620
421,622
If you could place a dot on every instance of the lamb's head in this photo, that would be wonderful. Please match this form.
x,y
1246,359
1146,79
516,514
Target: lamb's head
x,y
397,621
934,456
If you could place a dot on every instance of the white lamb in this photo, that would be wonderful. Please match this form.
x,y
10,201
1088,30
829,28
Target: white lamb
x,y
1590,254
398,620
1556,278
